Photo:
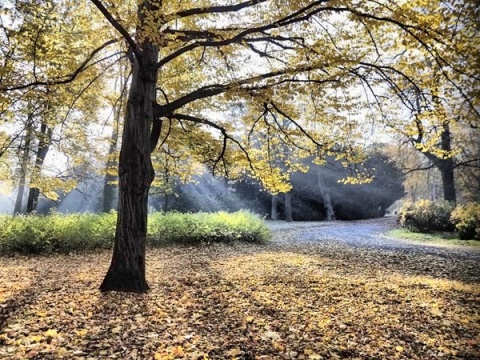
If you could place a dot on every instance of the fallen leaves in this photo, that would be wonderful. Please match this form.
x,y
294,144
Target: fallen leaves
x,y
238,302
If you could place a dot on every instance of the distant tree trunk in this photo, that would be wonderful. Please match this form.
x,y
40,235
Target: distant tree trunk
x,y
23,172
274,210
166,202
288,207
167,190
446,166
109,189
432,183
42,151
127,269
448,181
325,194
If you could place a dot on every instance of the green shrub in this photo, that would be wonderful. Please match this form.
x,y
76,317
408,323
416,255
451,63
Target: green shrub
x,y
58,233
466,219
425,216
206,228
35,234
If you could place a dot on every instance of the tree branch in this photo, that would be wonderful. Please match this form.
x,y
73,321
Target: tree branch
x,y
226,136
238,38
213,9
69,78
117,26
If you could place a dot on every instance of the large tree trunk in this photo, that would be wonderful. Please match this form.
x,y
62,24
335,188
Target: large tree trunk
x,y
42,151
127,269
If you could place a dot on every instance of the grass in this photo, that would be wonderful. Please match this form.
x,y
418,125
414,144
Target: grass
x,y
433,238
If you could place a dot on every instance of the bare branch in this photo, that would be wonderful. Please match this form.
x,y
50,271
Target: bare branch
x,y
213,9
226,136
299,127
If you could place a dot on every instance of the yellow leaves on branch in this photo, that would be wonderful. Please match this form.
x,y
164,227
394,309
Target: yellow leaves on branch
x,y
50,186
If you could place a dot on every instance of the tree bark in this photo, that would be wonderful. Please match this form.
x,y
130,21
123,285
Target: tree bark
x,y
42,151
446,167
448,180
127,269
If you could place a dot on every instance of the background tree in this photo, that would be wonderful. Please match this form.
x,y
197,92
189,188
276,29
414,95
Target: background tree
x,y
44,114
441,101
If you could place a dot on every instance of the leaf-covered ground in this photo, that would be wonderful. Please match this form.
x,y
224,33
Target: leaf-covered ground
x,y
286,300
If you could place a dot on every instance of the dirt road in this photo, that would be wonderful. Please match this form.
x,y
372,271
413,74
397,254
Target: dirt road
x,y
366,238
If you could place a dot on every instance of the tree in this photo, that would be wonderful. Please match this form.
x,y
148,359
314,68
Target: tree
x,y
435,116
308,60
118,110
41,115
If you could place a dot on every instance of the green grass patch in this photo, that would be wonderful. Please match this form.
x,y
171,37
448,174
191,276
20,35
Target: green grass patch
x,y
60,233
435,238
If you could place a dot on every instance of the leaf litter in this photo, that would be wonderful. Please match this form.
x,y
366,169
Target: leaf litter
x,y
243,301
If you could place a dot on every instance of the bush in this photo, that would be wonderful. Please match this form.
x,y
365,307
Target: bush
x,y
466,219
58,233
426,216
206,228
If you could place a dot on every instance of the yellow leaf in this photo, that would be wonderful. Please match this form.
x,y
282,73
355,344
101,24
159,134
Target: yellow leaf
x,y
82,332
399,348
235,352
36,338
177,351
278,346
51,333
163,356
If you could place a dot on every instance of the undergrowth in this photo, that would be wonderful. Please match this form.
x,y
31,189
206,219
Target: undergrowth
x,y
434,238
60,233
427,216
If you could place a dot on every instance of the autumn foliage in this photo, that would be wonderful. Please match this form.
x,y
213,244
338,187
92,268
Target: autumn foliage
x,y
426,216
467,221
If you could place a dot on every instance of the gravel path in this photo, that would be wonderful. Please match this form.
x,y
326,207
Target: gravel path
x,y
366,238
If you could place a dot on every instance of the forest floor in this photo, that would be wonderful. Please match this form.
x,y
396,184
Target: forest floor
x,y
316,291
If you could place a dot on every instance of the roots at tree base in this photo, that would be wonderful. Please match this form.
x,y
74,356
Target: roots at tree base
x,y
124,280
